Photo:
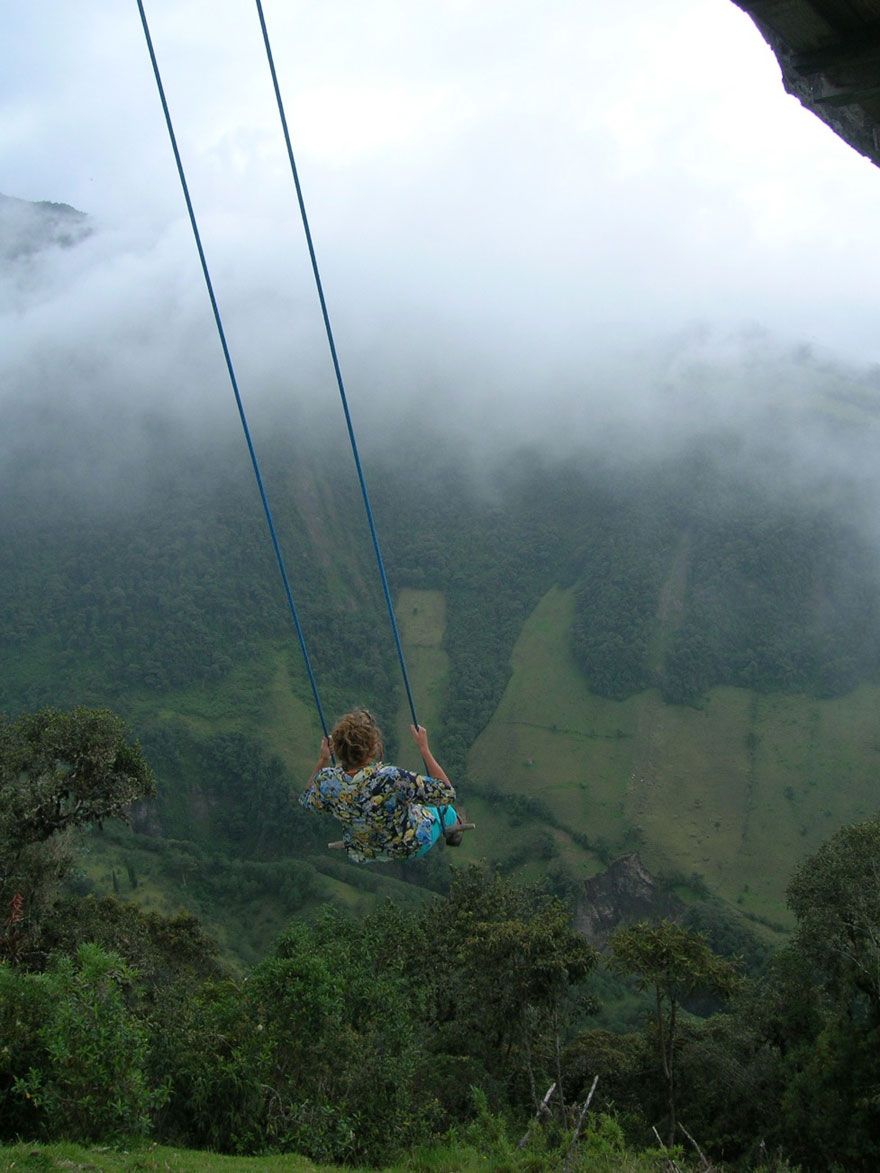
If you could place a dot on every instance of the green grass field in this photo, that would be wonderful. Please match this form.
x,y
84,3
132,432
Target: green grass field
x,y
421,619
33,1157
739,790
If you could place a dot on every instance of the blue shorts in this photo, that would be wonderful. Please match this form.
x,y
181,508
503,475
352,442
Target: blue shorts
x,y
428,834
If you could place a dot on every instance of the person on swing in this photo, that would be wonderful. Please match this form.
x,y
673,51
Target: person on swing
x,y
388,813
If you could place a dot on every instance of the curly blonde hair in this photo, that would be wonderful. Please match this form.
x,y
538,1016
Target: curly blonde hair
x,y
357,739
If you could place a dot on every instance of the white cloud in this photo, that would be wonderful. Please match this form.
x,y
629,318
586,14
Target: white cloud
x,y
538,182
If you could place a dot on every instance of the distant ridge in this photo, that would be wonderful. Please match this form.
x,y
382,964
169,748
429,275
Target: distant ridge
x,y
27,228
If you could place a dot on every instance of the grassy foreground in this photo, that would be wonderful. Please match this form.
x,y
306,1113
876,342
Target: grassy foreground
x,y
434,1159
73,1156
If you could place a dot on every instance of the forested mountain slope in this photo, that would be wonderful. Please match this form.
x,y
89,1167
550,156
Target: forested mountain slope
x,y
676,651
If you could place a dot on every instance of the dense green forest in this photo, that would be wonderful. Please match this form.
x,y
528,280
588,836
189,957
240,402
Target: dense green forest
x,y
437,1030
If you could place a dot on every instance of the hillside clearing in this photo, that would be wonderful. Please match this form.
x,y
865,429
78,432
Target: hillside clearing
x,y
718,790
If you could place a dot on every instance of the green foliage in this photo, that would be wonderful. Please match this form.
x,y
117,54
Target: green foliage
x,y
88,1079
362,1040
62,770
830,1097
689,574
210,1052
354,1038
726,933
447,1155
163,951
728,583
489,1140
317,1051
830,1060
672,961
58,771
622,563
254,809
625,1066
145,1157
682,580
836,897
513,947
25,1005
684,576
729,1083
477,545
333,985
775,599
792,1065
242,793
674,964
166,589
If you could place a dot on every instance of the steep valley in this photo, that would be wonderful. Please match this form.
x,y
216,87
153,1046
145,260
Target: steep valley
x,y
607,662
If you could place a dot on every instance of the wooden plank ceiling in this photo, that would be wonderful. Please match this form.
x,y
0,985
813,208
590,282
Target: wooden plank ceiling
x,y
829,53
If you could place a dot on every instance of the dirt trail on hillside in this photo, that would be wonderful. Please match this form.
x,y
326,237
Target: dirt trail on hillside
x,y
670,604
642,782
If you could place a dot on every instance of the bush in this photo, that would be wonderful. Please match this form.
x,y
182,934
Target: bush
x,y
212,1051
25,1003
86,1077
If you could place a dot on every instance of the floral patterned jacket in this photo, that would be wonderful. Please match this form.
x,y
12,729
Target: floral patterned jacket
x,y
382,808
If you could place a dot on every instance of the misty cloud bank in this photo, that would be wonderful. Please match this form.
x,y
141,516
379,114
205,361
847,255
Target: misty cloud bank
x,y
110,358
124,477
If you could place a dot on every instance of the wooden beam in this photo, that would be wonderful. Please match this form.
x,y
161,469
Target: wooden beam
x,y
848,96
856,50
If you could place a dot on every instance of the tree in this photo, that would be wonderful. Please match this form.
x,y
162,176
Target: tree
x,y
835,896
674,964
61,770
833,1071
58,771
502,964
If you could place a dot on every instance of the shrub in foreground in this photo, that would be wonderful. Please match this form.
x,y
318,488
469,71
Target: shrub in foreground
x,y
81,1073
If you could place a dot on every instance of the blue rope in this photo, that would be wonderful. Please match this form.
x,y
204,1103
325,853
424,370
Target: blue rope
x,y
351,436
247,432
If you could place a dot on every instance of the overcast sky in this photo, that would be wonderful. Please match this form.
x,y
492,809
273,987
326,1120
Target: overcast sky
x,y
535,185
